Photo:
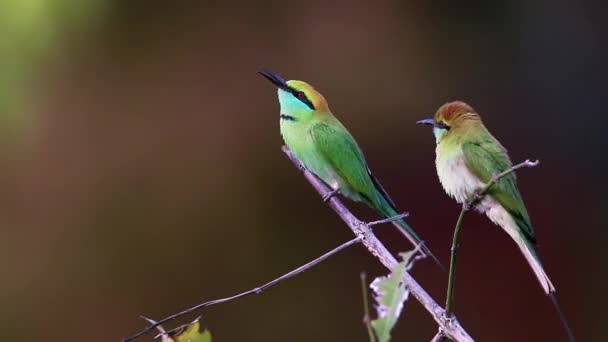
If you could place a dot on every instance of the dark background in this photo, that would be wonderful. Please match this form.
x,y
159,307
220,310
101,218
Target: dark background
x,y
141,171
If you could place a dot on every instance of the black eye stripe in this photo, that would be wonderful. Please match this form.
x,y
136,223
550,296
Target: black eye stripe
x,y
300,95
442,125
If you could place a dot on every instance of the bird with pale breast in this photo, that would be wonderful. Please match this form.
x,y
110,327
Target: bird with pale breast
x,y
328,150
467,157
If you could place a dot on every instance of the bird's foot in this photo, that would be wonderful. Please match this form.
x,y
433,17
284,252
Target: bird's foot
x,y
475,198
330,194
448,319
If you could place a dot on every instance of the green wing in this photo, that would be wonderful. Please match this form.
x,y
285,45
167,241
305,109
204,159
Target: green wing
x,y
341,151
488,158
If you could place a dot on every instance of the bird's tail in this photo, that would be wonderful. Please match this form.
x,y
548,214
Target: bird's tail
x,y
527,249
562,317
387,211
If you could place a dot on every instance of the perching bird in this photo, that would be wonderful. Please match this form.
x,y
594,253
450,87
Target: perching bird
x,y
328,150
467,157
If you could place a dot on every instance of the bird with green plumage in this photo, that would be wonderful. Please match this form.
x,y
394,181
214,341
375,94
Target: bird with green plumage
x,y
467,157
327,149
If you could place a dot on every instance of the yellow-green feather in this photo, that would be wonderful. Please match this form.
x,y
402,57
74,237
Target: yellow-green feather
x,y
468,156
327,149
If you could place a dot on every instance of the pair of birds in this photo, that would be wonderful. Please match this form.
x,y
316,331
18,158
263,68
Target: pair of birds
x,y
467,157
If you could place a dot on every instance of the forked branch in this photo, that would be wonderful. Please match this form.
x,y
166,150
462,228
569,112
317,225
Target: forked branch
x,y
450,326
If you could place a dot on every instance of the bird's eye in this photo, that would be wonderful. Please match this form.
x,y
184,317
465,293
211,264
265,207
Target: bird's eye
x,y
443,125
300,95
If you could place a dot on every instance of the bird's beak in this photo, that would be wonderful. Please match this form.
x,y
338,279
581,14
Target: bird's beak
x,y
426,122
276,79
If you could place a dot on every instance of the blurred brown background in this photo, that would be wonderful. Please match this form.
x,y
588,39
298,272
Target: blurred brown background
x,y
141,170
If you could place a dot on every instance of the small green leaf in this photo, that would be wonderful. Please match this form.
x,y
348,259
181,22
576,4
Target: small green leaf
x,y
390,295
191,334
185,333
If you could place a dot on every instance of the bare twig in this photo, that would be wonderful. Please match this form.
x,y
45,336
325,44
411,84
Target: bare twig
x,y
416,255
366,319
470,203
175,331
388,220
159,327
440,337
256,290
449,301
450,326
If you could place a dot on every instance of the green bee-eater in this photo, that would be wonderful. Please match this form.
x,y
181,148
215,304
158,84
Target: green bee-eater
x,y
467,157
329,151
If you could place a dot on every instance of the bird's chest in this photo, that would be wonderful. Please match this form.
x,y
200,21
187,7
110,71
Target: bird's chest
x,y
295,136
300,142
454,175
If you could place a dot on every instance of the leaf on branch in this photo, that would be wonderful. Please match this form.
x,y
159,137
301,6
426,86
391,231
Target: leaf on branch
x,y
186,333
390,295
192,334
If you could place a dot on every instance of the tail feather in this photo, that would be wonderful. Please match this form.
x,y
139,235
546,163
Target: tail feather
x,y
388,211
408,232
385,206
528,250
562,318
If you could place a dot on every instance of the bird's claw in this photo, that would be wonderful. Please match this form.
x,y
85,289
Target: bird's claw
x,y
330,194
448,319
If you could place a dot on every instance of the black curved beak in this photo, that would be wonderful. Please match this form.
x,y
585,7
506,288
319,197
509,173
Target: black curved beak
x,y
276,79
426,122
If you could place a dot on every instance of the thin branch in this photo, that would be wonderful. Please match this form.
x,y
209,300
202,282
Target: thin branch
x,y
388,220
366,319
496,178
450,326
256,290
478,196
175,331
440,337
416,255
449,301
